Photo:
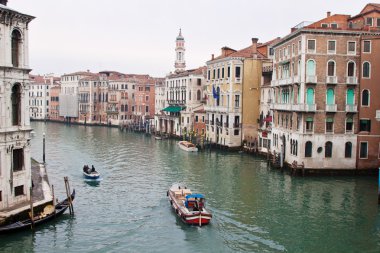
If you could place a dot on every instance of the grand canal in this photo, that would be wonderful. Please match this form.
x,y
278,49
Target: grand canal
x,y
256,209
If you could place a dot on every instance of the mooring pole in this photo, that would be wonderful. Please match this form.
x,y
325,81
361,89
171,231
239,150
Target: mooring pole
x,y
378,193
43,147
31,209
281,157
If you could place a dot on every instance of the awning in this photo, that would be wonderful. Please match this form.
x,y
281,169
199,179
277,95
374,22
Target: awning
x,y
174,108
268,119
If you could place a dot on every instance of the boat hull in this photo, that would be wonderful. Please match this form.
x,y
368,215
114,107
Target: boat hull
x,y
186,148
91,176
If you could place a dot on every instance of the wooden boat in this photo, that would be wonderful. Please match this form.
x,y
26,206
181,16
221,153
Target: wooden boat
x,y
187,146
90,173
49,213
188,206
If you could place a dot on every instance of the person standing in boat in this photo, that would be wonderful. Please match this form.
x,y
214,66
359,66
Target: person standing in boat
x,y
92,168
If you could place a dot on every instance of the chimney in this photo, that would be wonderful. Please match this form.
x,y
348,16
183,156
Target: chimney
x,y
4,2
328,14
254,45
212,57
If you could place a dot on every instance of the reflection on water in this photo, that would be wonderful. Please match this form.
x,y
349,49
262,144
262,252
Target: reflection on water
x,y
255,209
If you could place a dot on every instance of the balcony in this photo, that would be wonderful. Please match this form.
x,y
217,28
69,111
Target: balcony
x,y
331,79
352,80
311,79
285,81
351,108
237,79
236,125
274,82
282,107
331,108
304,107
226,125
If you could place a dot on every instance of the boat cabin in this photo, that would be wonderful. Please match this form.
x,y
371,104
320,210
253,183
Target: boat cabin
x,y
196,201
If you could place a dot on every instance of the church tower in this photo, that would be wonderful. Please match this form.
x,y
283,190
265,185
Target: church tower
x,y
180,64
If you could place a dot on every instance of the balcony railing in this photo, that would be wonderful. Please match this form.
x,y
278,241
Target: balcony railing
x,y
304,107
331,79
331,108
351,108
226,125
353,80
311,79
237,80
236,125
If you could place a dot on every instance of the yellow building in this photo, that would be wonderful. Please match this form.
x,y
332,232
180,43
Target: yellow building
x,y
233,90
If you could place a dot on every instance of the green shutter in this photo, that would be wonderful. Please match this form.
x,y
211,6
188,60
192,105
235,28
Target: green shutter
x,y
309,119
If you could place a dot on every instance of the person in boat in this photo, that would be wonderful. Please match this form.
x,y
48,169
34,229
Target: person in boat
x,y
92,168
196,206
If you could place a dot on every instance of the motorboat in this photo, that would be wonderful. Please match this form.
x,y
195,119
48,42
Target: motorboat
x,y
187,146
189,207
90,173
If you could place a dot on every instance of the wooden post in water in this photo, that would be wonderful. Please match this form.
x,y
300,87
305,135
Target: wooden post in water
x,y
52,191
31,209
43,147
378,196
68,193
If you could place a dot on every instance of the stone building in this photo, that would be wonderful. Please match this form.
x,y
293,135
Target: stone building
x,y
39,97
315,94
15,158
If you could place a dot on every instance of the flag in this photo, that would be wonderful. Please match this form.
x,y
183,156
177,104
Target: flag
x,y
215,94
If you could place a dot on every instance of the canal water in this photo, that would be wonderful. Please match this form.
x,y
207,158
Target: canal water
x,y
255,208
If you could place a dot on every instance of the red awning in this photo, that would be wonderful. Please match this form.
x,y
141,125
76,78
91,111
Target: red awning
x,y
268,119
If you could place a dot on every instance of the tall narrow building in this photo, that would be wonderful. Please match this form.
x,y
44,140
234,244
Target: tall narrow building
x,y
180,64
15,162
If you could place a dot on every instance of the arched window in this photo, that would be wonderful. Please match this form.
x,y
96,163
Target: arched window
x,y
296,152
331,68
218,96
330,96
328,149
310,71
350,97
198,95
348,150
308,149
310,96
16,104
351,69
366,70
16,48
365,98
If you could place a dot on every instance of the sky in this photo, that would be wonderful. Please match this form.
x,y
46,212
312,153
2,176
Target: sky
x,y
138,36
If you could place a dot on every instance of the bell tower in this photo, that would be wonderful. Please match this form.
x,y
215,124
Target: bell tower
x,y
180,63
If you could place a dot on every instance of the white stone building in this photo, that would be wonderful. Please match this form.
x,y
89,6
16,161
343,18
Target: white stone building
x,y
15,161
39,97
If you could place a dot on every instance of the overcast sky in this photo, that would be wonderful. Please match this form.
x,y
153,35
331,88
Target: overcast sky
x,y
138,36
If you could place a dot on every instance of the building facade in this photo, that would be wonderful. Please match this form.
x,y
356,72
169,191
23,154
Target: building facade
x,y
39,97
15,157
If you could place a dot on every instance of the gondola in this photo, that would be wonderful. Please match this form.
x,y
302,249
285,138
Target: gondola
x,y
60,208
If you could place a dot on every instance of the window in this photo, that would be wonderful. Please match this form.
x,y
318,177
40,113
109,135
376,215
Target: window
x,y
334,26
363,152
348,150
367,46
309,124
198,95
237,100
310,70
351,69
237,72
310,96
16,42
146,108
196,118
222,73
331,48
349,125
16,104
228,71
365,98
330,97
324,25
331,68
351,47
365,125
311,46
308,149
329,125
18,159
328,149
369,21
19,190
1,196
208,75
366,70
378,22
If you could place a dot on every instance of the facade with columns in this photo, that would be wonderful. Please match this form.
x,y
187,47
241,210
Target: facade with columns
x,y
15,158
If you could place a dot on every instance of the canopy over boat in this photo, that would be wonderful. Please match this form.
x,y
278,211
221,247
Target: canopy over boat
x,y
195,195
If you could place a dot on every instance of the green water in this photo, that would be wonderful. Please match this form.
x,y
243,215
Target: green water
x,y
255,208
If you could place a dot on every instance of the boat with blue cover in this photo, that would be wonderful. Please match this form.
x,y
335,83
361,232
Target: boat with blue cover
x,y
190,207
90,173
